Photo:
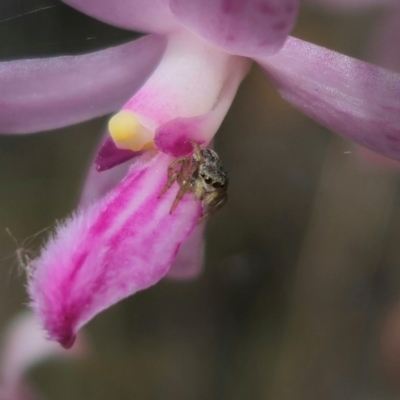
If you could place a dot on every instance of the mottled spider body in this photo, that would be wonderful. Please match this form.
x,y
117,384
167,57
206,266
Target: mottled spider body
x,y
202,174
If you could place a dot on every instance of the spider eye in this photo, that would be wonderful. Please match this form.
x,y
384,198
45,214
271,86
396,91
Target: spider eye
x,y
208,180
217,185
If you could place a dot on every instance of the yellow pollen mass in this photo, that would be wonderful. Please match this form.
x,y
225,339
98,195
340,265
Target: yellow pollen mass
x,y
128,133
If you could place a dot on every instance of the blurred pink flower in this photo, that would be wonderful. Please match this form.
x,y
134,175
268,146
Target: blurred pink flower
x,y
380,49
190,69
23,346
351,5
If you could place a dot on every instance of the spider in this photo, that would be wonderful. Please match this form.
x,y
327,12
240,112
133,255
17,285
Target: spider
x,y
202,174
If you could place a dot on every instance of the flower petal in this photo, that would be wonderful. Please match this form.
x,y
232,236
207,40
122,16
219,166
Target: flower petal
x,y
42,94
110,155
24,345
98,183
106,171
153,16
124,243
188,83
351,97
190,258
174,136
240,27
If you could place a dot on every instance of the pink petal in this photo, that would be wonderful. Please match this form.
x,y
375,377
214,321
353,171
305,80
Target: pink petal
x,y
23,392
240,27
124,243
174,136
187,83
98,183
351,97
190,258
153,16
24,345
49,93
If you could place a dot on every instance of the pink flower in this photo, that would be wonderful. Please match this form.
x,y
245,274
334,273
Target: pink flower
x,y
381,47
188,71
23,347
351,5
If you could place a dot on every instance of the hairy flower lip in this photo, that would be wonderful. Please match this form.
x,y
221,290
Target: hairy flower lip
x,y
67,341
89,264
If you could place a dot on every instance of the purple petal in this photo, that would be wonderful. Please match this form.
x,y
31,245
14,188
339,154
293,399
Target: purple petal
x,y
190,258
100,183
174,136
240,27
49,93
124,243
351,97
153,16
110,155
107,170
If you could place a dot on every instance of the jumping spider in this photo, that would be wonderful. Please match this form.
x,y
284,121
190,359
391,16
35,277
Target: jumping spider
x,y
202,174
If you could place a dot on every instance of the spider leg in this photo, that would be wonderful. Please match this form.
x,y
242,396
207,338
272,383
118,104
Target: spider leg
x,y
197,152
185,188
173,176
183,171
212,204
185,180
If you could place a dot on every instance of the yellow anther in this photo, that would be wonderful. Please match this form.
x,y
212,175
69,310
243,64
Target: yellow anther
x,y
128,133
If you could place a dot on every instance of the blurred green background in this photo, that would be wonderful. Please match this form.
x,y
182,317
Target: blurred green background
x,y
302,264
